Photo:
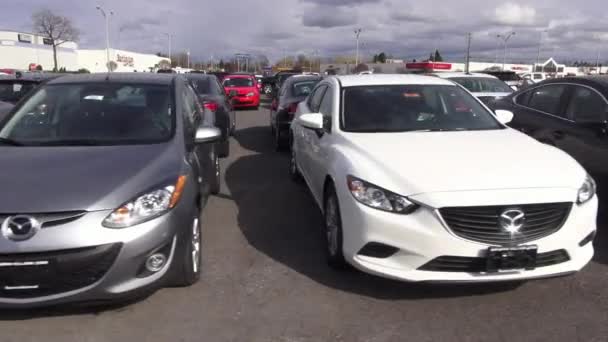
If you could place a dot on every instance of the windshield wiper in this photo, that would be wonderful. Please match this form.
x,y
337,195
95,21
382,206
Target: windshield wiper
x,y
10,142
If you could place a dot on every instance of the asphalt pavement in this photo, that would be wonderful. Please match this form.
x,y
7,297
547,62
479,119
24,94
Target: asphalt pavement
x,y
265,279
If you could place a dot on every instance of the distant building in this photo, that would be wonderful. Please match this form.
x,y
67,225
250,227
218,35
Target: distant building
x,y
19,50
126,61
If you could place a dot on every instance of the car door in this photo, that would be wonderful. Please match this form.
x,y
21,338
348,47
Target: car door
x,y
320,144
587,139
308,136
197,155
540,112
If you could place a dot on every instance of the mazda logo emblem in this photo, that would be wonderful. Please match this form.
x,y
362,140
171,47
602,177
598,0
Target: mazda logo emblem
x,y
511,220
20,227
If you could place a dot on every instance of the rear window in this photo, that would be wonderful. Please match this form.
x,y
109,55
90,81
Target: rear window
x,y
93,114
303,88
483,84
238,82
202,86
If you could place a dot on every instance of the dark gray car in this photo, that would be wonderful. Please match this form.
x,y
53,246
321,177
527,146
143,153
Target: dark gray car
x,y
104,176
5,107
294,90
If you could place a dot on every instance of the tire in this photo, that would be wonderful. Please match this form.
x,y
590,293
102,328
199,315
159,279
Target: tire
x,y
186,265
333,231
214,175
224,149
294,174
280,143
256,107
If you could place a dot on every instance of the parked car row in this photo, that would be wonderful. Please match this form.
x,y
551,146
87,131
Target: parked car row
x,y
419,181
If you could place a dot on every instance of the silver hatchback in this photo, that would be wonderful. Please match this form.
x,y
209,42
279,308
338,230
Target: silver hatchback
x,y
103,178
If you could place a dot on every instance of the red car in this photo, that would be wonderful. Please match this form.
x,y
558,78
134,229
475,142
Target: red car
x,y
247,92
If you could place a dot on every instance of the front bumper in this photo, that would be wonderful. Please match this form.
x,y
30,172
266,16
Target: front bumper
x,y
124,274
421,237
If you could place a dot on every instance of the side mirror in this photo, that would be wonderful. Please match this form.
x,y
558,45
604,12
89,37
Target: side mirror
x,y
504,116
232,93
205,134
311,121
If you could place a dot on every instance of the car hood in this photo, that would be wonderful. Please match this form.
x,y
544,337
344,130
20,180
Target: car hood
x,y
55,179
424,162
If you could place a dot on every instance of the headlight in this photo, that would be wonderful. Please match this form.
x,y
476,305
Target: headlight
x,y
378,198
587,190
250,94
147,206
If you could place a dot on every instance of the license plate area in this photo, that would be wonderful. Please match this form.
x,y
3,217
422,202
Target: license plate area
x,y
18,273
511,259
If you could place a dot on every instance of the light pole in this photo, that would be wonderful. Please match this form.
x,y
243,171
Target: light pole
x,y
188,54
170,36
107,19
505,38
357,34
540,44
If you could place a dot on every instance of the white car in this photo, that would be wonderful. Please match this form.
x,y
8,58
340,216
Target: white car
x,y
483,86
418,181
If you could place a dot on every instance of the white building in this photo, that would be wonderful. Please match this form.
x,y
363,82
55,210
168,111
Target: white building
x,y
19,50
126,61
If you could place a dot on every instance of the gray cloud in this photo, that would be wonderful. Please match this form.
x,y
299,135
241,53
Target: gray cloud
x,y
328,17
403,28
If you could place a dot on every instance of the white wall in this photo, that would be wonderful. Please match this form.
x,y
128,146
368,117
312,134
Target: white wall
x,y
18,55
127,61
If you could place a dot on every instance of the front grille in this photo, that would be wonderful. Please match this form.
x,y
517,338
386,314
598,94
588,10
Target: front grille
x,y
480,224
478,264
29,275
51,219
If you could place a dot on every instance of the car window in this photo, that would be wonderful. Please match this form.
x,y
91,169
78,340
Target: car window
x,y
315,98
538,77
202,85
238,82
93,114
326,107
14,91
403,108
547,98
303,88
483,84
586,105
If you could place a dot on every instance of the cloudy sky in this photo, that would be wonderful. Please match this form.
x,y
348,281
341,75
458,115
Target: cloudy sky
x,y
403,28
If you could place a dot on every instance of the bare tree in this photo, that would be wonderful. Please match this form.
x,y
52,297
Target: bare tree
x,y
58,28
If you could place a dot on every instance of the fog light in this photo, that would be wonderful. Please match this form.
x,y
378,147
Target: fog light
x,y
155,262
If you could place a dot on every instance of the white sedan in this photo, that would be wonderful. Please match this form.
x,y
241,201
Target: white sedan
x,y
419,181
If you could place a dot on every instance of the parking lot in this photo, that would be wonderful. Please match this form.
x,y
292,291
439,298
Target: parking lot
x,y
265,279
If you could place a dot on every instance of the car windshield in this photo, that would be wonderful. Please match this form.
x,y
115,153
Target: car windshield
x,y
404,108
303,88
93,114
14,91
483,84
238,82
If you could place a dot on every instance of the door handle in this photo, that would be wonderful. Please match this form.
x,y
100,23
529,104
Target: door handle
x,y
558,134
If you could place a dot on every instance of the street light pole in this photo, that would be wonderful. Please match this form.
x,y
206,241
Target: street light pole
x,y
188,54
505,38
540,44
170,37
107,19
357,33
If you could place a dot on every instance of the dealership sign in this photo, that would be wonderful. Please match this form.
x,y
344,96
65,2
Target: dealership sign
x,y
125,60
429,66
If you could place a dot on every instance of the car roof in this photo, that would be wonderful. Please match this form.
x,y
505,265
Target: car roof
x,y
118,77
239,76
197,76
462,74
388,79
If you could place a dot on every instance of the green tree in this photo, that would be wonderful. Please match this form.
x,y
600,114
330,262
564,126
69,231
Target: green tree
x,y
438,57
